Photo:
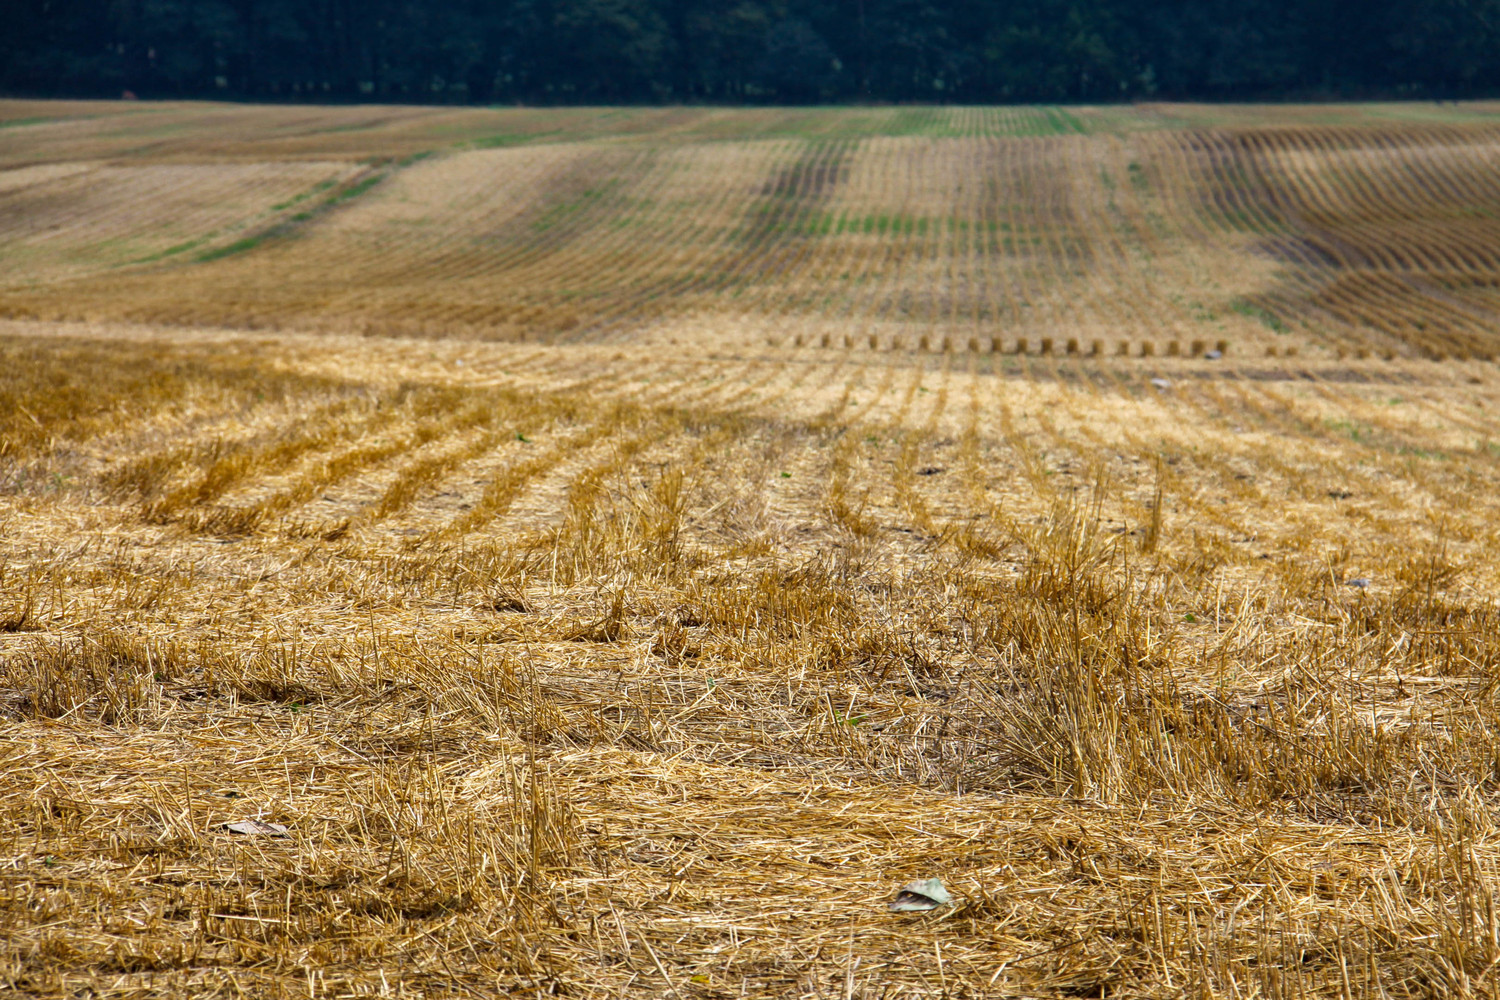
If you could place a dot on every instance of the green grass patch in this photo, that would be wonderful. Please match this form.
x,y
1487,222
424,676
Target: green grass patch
x,y
1048,120
1260,314
240,245
311,192
919,121
173,251
507,139
283,227
1350,429
355,190
229,250
777,219
562,211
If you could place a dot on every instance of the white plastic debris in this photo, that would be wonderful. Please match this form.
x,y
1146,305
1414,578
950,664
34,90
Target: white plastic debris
x,y
1161,383
1214,355
923,894
1358,581
256,828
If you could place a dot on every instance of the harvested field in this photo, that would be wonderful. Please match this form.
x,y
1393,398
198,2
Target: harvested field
x,y
608,552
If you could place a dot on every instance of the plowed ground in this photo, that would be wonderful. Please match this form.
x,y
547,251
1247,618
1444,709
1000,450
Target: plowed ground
x,y
619,548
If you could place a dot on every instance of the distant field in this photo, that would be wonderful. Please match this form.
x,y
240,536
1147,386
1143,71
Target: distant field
x,y
621,547
1357,229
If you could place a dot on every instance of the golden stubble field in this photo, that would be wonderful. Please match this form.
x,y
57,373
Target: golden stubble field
x,y
608,552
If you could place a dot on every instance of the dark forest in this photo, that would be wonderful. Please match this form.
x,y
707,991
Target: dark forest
x,y
750,51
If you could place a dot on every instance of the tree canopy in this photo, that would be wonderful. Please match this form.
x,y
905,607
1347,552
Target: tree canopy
x,y
784,51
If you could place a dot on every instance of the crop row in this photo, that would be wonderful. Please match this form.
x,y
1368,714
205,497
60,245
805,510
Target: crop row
x,y
325,458
1383,237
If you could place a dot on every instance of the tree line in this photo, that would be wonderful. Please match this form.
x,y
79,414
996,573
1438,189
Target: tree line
x,y
750,51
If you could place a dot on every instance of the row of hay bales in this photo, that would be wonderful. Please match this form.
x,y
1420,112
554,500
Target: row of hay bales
x,y
1367,354
1076,347
1044,346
